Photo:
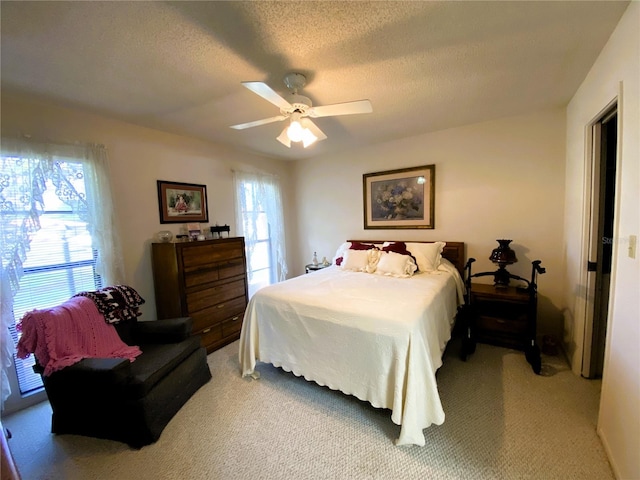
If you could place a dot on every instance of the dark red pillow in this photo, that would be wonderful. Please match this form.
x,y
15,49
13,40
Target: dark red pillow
x,y
356,246
361,246
396,247
399,247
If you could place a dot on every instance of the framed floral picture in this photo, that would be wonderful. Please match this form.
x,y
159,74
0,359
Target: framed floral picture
x,y
182,202
401,198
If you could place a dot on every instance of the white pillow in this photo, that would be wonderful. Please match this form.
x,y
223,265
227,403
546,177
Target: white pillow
x,y
340,252
395,265
361,260
427,255
355,260
374,257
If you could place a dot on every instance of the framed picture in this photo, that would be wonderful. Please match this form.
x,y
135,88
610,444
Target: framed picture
x,y
182,202
401,198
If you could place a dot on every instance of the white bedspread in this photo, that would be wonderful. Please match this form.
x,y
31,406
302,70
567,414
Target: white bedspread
x,y
378,338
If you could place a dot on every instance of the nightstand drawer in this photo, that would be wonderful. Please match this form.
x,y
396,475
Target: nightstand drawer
x,y
511,312
502,316
504,325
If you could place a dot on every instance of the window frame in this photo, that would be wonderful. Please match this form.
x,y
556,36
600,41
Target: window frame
x,y
75,256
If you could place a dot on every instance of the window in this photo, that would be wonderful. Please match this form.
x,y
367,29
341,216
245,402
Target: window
x,y
259,220
260,258
60,263
56,239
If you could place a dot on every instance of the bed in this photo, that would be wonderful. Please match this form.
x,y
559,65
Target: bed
x,y
379,337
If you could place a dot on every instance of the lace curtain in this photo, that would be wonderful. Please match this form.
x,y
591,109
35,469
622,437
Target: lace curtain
x,y
26,167
263,195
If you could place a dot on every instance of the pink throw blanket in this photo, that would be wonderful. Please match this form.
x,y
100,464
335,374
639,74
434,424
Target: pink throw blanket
x,y
63,335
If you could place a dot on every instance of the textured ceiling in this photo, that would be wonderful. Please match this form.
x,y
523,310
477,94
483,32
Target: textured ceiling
x,y
424,65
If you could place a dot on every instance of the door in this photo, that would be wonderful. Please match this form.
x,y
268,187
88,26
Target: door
x,y
604,159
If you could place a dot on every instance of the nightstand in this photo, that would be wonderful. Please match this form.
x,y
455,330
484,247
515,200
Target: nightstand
x,y
312,268
504,316
501,314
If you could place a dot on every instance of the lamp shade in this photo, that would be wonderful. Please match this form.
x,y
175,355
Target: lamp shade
x,y
308,138
295,131
503,255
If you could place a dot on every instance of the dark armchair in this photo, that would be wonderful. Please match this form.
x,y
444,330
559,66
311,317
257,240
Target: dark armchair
x,y
131,402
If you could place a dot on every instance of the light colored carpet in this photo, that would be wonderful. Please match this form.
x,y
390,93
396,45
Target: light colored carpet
x,y
502,422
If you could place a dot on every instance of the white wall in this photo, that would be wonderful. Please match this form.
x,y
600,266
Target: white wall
x,y
138,158
617,69
498,179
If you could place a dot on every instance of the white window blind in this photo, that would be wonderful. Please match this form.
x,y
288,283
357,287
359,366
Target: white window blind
x,y
56,232
60,263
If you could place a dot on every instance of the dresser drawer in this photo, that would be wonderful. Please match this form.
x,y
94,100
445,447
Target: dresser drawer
x,y
217,313
212,296
208,254
210,335
200,276
233,325
231,269
209,273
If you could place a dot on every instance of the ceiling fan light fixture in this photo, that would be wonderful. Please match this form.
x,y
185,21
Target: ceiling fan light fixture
x,y
296,108
283,138
295,131
308,138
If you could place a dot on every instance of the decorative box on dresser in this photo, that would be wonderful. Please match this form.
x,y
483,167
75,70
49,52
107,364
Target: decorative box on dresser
x,y
205,280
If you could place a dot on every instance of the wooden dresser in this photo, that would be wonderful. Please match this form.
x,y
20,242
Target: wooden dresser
x,y
205,280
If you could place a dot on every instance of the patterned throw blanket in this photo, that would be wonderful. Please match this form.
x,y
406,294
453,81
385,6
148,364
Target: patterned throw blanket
x,y
64,335
117,303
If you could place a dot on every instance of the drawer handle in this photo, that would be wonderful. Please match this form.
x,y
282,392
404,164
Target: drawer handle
x,y
220,306
235,318
206,330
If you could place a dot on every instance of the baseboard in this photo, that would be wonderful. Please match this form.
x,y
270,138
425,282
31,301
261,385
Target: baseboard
x,y
607,451
563,352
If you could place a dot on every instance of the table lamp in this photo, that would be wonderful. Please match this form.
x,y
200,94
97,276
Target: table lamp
x,y
502,256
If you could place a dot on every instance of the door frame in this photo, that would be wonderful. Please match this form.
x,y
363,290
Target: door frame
x,y
594,276
583,350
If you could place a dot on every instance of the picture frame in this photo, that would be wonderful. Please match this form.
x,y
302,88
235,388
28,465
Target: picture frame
x,y
182,202
402,198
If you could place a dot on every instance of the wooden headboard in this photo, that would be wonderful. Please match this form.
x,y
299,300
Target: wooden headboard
x,y
453,251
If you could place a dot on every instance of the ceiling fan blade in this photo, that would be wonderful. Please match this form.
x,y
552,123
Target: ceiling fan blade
x,y
348,108
314,129
268,93
242,126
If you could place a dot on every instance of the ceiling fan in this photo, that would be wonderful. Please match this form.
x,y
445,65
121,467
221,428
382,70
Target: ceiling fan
x,y
298,108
